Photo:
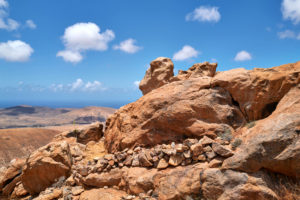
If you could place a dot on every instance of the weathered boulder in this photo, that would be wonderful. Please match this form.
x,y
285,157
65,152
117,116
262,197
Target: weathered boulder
x,y
159,74
45,166
102,194
227,185
188,108
198,70
258,91
273,143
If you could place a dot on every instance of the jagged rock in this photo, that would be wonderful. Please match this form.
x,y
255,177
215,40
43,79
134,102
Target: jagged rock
x,y
258,91
198,70
187,154
143,160
206,141
50,195
128,161
226,185
274,142
221,150
45,166
175,160
162,164
210,155
202,157
197,149
159,74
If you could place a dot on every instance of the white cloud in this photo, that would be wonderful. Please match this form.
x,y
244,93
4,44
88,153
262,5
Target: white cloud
x,y
15,51
3,4
30,24
93,86
291,10
204,14
136,83
70,56
243,56
288,34
9,24
77,84
85,36
185,53
128,46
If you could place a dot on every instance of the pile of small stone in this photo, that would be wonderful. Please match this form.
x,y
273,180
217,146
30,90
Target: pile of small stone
x,y
163,156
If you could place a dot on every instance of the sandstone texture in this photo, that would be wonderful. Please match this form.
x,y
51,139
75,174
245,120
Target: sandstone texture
x,y
200,135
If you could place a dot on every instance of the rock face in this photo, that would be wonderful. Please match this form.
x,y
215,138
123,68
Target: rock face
x,y
258,91
45,166
274,143
227,185
174,111
159,74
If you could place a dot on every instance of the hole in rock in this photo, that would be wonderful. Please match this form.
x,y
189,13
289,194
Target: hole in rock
x,y
268,109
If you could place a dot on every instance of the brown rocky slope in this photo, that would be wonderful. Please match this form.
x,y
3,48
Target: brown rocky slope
x,y
200,135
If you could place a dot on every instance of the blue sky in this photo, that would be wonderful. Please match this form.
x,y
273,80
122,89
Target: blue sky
x,y
95,51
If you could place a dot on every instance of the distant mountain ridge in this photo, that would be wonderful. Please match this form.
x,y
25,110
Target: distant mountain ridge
x,y
40,116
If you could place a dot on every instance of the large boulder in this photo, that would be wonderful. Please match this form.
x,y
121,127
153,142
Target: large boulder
x,y
273,143
228,185
159,73
258,91
45,166
188,108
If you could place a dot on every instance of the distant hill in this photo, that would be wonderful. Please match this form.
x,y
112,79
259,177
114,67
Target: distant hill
x,y
36,116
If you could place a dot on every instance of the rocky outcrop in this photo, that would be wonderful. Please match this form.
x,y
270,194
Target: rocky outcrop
x,y
226,185
258,91
198,70
159,73
45,166
274,143
175,111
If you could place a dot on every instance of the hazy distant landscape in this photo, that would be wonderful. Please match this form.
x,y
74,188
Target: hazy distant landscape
x,y
37,116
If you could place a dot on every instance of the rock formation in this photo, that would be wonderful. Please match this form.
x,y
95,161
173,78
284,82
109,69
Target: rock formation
x,y
199,135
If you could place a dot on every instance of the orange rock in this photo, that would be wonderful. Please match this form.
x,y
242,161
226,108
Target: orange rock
x,y
170,113
102,194
258,91
45,166
159,74
273,143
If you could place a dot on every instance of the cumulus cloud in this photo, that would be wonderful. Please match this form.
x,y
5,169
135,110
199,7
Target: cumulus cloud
x,y
243,56
6,22
3,4
185,53
204,14
78,86
291,10
15,51
30,24
128,46
70,56
288,34
82,37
